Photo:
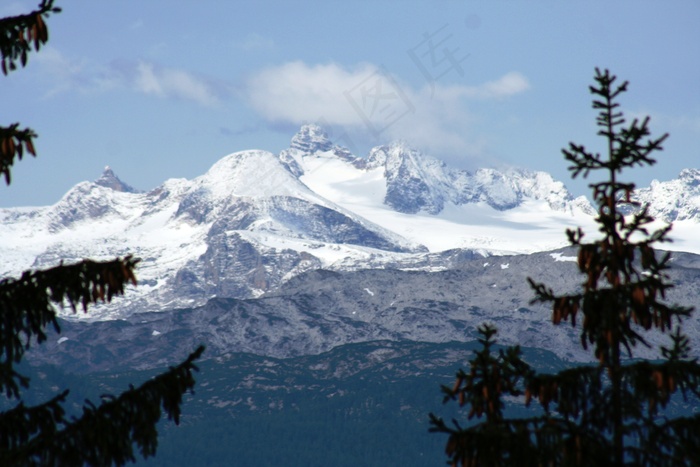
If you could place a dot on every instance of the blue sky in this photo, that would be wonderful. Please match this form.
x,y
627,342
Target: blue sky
x,y
162,89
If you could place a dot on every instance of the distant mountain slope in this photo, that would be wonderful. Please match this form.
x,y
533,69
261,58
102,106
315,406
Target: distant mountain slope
x,y
673,200
257,219
238,230
414,182
377,394
319,310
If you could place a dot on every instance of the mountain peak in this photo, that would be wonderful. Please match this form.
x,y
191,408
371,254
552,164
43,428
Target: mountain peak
x,y
108,179
690,177
401,145
311,138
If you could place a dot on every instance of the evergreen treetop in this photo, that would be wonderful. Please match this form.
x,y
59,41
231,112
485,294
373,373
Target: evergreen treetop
x,y
44,435
612,412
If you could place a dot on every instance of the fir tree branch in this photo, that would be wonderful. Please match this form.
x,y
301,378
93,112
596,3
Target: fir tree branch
x,y
106,434
19,34
607,414
28,304
533,441
13,143
20,424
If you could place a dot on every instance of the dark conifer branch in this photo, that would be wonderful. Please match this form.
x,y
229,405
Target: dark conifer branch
x,y
107,433
610,413
14,142
28,304
41,435
19,34
26,422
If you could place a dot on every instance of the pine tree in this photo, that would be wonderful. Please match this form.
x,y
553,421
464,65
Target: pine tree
x,y
45,435
612,412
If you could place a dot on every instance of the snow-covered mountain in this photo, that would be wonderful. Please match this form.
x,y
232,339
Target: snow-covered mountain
x,y
411,182
257,219
317,311
673,201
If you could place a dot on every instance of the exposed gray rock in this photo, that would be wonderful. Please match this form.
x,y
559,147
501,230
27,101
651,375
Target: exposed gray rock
x,y
318,310
673,200
109,180
311,138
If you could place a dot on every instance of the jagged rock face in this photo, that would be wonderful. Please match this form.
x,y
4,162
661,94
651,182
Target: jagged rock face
x,y
290,163
235,267
222,234
311,139
91,201
416,182
318,310
253,221
497,190
195,205
690,177
86,201
300,219
111,181
412,196
325,225
674,200
413,182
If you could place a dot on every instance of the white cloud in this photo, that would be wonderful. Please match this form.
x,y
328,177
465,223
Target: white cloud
x,y
296,93
146,80
369,99
507,85
64,73
168,82
67,74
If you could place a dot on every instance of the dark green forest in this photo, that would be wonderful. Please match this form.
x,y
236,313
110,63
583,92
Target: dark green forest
x,y
312,410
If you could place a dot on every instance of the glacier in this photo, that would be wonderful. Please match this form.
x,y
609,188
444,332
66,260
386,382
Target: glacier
x,y
257,219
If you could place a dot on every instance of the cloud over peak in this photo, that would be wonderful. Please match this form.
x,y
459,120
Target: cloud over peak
x,y
368,99
295,92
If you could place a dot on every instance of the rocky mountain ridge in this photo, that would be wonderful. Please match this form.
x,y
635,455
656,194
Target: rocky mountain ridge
x,y
255,220
417,183
319,310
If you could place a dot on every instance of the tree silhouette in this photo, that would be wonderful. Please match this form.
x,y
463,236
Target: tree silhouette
x,y
104,434
612,412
